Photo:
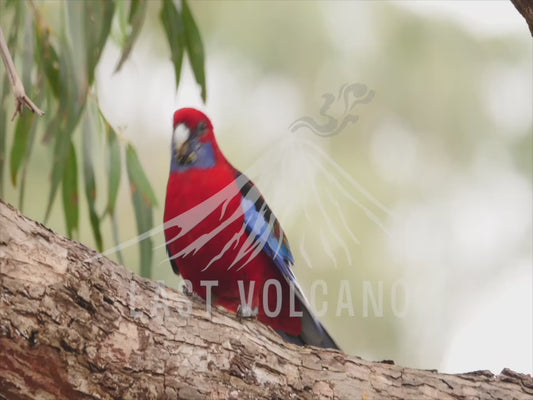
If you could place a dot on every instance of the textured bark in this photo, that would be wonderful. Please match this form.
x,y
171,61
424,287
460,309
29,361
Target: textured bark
x,y
77,326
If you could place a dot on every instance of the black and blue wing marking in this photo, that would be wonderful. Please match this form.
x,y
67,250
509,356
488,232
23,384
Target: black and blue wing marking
x,y
265,230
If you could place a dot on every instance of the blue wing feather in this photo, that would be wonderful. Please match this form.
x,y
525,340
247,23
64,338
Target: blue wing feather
x,y
261,223
264,226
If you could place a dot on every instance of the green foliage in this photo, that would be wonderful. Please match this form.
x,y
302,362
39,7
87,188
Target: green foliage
x,y
59,52
70,191
113,168
183,35
20,143
173,24
114,173
135,20
11,40
195,48
88,150
143,200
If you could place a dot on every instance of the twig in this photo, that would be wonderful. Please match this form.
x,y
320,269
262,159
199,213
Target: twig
x,y
16,83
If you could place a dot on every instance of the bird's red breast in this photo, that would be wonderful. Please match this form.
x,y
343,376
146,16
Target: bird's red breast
x,y
208,238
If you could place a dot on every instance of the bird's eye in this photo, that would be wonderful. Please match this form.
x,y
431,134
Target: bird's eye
x,y
202,126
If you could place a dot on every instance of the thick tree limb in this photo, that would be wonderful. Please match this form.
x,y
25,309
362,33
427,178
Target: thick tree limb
x,y
14,79
525,7
77,326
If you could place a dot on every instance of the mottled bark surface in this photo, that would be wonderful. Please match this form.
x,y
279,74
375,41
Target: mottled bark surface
x,y
75,326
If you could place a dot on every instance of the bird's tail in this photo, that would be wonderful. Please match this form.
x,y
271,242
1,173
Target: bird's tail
x,y
313,332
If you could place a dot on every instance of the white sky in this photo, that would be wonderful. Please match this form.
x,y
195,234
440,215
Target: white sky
x,y
484,340
489,17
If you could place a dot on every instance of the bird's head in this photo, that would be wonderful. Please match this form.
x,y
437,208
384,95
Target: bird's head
x,y
193,141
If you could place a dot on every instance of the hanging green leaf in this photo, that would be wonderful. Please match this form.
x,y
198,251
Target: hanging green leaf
x,y
90,180
6,88
119,33
27,156
41,93
26,123
28,53
173,25
143,200
195,48
20,144
70,191
97,23
65,122
3,120
114,173
135,20
60,154
116,237
47,57
113,167
136,171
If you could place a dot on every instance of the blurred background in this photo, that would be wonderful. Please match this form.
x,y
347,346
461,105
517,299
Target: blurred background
x,y
409,213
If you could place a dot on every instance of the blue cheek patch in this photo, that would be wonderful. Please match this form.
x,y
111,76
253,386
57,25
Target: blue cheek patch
x,y
205,159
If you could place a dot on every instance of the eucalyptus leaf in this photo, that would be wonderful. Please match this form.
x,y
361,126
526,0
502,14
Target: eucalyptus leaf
x,y
135,20
47,57
6,88
175,31
143,200
138,177
70,191
113,167
20,144
195,47
97,23
90,180
65,121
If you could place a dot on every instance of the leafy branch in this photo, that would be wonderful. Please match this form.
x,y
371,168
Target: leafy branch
x,y
16,83
59,60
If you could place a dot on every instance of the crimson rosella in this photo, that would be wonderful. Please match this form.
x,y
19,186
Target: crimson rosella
x,y
222,237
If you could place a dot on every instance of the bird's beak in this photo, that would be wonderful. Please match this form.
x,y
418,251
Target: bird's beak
x,y
183,150
186,154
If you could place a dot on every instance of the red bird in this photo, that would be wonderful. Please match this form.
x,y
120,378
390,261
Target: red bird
x,y
223,238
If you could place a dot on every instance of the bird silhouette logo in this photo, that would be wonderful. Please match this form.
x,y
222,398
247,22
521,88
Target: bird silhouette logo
x,y
349,96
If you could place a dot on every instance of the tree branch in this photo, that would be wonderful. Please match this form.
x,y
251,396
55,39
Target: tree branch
x,y
525,7
77,325
16,83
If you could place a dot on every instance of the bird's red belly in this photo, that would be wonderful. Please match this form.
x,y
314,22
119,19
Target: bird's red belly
x,y
211,250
